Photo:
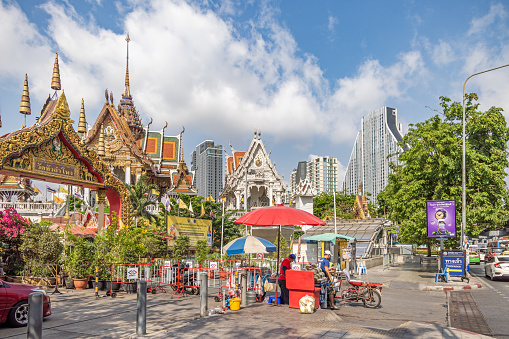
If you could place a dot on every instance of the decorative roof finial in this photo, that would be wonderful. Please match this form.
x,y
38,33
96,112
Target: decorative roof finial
x,y
106,94
127,90
55,80
181,148
82,124
24,108
111,98
100,144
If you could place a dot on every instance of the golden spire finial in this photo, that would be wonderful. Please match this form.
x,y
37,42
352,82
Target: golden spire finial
x,y
127,90
55,80
82,124
24,108
100,144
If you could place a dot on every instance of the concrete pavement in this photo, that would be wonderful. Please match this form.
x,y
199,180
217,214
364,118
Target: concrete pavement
x,y
411,308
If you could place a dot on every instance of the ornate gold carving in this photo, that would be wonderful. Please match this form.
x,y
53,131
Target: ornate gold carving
x,y
18,150
101,196
62,109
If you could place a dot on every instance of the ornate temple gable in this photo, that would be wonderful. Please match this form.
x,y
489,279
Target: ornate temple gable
x,y
52,150
305,189
117,137
264,185
361,210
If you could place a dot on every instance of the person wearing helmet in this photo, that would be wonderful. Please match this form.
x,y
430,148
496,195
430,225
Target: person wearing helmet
x,y
324,264
285,265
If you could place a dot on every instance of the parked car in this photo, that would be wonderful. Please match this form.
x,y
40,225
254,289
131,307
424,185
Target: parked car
x,y
473,258
497,267
14,303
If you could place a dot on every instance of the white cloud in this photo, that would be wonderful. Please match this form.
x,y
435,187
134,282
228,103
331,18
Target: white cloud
x,y
332,22
442,53
188,66
370,89
312,157
479,25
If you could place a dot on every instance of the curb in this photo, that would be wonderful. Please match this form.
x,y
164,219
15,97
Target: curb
x,y
453,288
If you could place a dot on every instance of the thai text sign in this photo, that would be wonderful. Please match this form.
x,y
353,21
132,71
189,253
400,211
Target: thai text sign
x,y
47,167
454,261
195,229
441,217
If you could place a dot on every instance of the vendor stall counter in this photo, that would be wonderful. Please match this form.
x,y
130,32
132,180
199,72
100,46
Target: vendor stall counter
x,y
300,283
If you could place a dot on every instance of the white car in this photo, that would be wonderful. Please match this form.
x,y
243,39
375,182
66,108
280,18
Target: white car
x,y
497,267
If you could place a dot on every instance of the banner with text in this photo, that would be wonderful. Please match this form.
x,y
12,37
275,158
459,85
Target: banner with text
x,y
195,229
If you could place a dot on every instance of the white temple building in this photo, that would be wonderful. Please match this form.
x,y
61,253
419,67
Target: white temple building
x,y
252,170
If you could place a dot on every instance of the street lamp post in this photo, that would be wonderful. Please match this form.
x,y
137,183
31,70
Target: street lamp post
x,y
250,171
464,174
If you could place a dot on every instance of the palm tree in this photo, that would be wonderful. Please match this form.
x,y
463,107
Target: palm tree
x,y
142,197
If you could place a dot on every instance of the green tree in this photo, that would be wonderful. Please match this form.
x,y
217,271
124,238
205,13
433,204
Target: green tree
x,y
323,205
431,169
40,246
181,247
142,197
284,247
202,250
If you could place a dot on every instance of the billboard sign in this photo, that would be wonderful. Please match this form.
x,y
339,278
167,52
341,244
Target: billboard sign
x,y
195,229
441,218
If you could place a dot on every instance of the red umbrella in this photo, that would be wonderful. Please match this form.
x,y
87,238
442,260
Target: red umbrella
x,y
279,215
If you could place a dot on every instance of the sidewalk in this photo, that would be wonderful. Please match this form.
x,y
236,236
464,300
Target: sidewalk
x,y
409,309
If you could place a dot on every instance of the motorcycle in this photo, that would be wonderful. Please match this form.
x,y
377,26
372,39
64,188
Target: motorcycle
x,y
369,293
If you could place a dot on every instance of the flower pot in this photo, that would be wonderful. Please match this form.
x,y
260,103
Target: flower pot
x,y
130,287
101,285
80,284
116,286
69,283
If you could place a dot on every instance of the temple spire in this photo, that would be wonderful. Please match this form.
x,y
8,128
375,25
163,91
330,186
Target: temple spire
x,y
82,124
100,144
55,80
127,90
24,108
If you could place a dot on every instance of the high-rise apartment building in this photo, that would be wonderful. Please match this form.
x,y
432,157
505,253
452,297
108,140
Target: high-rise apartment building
x,y
207,162
322,173
369,161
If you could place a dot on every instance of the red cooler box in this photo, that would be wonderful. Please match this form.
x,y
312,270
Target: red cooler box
x,y
300,283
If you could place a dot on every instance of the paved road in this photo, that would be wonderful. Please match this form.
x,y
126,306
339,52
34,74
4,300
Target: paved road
x,y
493,301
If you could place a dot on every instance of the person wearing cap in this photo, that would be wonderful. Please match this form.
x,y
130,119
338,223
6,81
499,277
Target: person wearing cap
x,y
285,265
324,265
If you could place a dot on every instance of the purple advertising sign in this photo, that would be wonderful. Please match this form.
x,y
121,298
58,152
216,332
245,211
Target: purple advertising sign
x,y
441,215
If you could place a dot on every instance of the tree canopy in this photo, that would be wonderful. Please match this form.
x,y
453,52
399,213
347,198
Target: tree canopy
x,y
431,169
323,206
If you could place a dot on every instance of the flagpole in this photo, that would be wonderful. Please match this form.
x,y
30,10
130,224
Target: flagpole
x,y
222,228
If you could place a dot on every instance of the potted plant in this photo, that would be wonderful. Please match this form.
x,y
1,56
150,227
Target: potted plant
x,y
78,260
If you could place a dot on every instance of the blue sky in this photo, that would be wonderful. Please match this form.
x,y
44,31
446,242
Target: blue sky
x,y
304,72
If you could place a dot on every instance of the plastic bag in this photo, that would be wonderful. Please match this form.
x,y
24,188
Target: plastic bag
x,y
268,286
307,304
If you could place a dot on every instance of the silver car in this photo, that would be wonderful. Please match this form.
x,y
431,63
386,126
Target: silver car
x,y
497,267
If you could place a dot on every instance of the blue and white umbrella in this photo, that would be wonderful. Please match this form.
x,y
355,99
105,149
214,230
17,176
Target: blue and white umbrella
x,y
249,244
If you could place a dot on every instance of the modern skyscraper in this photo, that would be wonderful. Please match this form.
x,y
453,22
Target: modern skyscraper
x,y
322,173
369,161
207,162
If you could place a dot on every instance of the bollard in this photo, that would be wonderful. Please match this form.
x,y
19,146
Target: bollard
x,y
97,281
203,295
243,285
35,301
141,315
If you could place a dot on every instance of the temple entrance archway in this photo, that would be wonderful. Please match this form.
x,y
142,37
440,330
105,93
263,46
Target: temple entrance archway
x,y
52,151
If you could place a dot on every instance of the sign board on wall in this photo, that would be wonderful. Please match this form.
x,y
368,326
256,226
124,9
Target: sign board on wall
x,y
195,229
441,217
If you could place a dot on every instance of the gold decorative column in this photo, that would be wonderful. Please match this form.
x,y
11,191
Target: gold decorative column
x,y
55,79
100,144
101,199
82,124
